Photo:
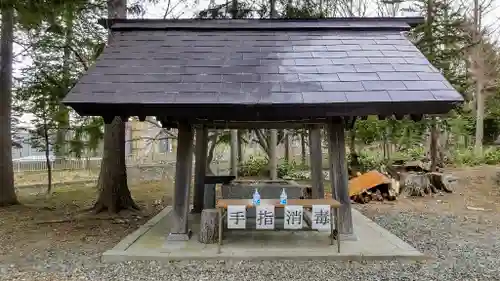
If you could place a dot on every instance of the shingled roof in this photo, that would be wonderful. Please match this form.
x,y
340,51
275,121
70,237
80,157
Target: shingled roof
x,y
255,70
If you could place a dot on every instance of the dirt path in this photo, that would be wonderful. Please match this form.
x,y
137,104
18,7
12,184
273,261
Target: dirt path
x,y
45,228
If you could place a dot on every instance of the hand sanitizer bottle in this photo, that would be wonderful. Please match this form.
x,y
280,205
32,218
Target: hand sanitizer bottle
x,y
256,198
283,197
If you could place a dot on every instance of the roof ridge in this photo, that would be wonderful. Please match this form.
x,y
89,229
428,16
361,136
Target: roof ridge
x,y
351,23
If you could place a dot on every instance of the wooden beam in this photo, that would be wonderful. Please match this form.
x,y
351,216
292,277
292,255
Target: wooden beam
x,y
200,168
416,118
183,168
108,119
288,124
220,125
399,116
316,159
338,176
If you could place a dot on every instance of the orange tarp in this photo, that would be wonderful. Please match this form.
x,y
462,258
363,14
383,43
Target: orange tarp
x,y
366,181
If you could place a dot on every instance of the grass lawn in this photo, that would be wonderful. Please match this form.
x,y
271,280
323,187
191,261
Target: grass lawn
x,y
58,176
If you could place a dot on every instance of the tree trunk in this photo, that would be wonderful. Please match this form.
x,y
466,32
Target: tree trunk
x,y
240,147
287,146
114,193
234,9
212,140
273,163
63,120
234,153
352,141
273,11
7,190
112,184
47,155
385,145
434,145
303,148
478,145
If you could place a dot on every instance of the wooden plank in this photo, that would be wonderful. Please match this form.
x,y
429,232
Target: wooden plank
x,y
306,203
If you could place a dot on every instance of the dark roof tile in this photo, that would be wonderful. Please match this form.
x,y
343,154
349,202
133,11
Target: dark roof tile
x,y
383,85
324,97
394,75
155,64
360,76
368,96
282,98
412,96
374,67
425,85
342,86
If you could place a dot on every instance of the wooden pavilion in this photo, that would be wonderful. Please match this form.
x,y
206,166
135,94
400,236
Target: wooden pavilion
x,y
201,74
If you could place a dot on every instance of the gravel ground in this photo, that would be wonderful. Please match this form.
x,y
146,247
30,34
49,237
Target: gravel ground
x,y
465,248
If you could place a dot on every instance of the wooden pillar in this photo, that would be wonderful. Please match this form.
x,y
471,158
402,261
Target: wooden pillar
x,y
200,168
338,176
316,159
183,169
234,153
273,161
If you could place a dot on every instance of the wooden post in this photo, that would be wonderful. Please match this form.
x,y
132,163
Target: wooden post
x,y
316,159
273,161
183,169
338,176
234,153
209,226
200,168
209,196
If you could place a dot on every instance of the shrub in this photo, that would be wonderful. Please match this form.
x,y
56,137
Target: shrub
x,y
467,157
492,156
367,160
259,167
254,167
291,170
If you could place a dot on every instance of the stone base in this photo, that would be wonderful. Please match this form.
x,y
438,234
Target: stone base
x,y
373,243
348,237
179,236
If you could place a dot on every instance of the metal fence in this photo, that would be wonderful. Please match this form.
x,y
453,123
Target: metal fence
x,y
146,167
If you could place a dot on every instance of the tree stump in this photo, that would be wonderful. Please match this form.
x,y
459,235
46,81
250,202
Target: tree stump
x,y
415,184
209,226
394,190
442,181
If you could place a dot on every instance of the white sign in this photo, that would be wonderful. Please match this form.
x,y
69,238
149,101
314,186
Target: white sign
x,y
236,217
294,216
321,217
264,217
